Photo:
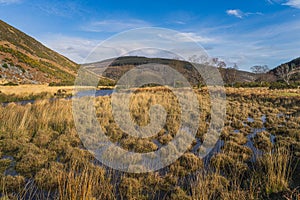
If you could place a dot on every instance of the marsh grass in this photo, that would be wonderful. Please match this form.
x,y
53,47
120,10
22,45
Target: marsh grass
x,y
42,156
83,182
277,169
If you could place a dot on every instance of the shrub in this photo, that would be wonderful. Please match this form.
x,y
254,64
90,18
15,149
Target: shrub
x,y
283,85
5,65
251,84
10,84
62,83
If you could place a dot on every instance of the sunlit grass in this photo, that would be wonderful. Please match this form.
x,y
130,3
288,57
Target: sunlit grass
x,y
42,156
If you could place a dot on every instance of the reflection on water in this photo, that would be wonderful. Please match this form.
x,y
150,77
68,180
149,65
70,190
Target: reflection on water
x,y
95,93
79,94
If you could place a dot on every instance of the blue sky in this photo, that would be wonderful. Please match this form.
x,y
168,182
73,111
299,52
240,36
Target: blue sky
x,y
246,32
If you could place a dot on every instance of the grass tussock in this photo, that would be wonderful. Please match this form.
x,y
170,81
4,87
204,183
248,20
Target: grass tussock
x,y
42,156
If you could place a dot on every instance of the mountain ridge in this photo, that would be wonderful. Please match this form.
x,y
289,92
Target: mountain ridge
x,y
26,60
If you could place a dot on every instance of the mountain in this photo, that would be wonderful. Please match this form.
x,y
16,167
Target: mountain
x,y
289,71
116,68
25,60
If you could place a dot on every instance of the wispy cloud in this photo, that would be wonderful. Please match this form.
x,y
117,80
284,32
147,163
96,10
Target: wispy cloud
x,y
143,42
240,14
272,45
114,25
189,37
195,37
275,1
180,18
237,13
9,1
60,8
75,48
293,3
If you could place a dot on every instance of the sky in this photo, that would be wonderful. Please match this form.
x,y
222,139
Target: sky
x,y
246,32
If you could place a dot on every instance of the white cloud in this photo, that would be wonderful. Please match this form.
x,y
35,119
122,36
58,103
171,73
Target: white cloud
x,y
60,8
197,38
271,45
76,49
9,1
113,25
142,42
237,13
188,37
293,3
240,14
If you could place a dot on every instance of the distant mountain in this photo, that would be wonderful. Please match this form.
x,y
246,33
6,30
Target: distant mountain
x,y
119,66
291,68
25,60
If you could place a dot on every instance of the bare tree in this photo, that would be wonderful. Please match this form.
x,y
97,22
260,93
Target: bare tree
x,y
261,72
218,63
202,59
259,69
231,74
285,72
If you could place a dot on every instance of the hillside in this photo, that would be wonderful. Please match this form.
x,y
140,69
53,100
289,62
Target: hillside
x,y
289,70
121,65
25,60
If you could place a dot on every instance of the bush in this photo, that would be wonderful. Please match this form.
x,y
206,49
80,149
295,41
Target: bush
x,y
250,84
106,82
21,68
283,85
62,83
5,65
10,84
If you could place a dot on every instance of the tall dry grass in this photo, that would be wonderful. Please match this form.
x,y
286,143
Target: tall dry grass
x,y
276,169
77,182
42,139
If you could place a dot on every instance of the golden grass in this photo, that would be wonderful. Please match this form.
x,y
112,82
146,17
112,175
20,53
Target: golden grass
x,y
25,90
277,169
83,182
46,150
